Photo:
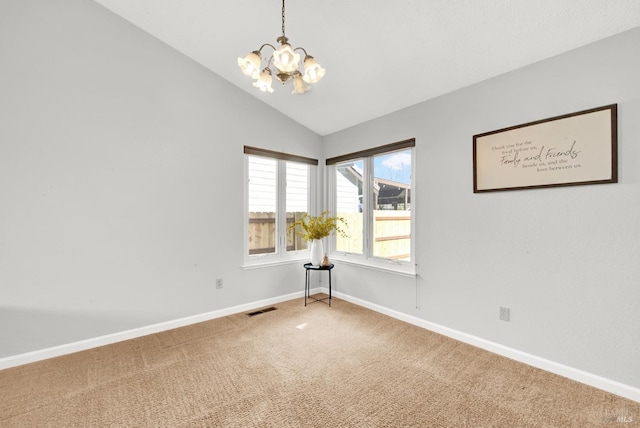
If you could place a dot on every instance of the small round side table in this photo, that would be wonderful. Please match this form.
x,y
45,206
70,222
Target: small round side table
x,y
309,267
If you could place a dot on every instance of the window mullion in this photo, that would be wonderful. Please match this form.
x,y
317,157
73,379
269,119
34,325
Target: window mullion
x,y
368,207
281,214
330,198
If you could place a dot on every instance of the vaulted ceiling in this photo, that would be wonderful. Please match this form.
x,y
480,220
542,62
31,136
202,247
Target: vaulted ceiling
x,y
380,56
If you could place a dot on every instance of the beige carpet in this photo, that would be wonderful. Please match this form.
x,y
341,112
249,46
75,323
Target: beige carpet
x,y
344,366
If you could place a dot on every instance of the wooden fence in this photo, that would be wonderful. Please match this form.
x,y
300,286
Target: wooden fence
x,y
262,233
391,232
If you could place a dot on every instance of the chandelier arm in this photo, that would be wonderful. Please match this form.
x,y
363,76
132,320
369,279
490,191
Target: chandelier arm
x,y
301,49
267,44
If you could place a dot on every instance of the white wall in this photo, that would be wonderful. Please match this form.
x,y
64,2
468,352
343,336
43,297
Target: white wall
x,y
121,165
116,155
565,260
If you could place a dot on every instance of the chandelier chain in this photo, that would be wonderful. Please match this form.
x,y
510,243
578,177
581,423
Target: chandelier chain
x,y
283,19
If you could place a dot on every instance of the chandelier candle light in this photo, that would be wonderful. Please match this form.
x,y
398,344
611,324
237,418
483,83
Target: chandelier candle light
x,y
286,62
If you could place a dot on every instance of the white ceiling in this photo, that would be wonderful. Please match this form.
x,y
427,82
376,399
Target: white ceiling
x,y
380,56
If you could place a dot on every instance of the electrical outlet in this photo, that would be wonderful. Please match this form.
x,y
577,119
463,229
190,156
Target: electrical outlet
x,y
504,313
219,283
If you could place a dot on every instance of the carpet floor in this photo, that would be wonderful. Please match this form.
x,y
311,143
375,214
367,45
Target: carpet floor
x,y
314,366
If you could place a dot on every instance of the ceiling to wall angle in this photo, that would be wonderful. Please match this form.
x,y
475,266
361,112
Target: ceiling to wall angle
x,y
379,56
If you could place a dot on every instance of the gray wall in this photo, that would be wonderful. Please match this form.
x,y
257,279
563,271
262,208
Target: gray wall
x,y
120,193
121,170
565,260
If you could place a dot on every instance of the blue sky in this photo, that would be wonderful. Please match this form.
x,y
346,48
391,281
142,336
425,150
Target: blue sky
x,y
394,166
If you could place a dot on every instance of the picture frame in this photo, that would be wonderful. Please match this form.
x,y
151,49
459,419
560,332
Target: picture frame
x,y
568,150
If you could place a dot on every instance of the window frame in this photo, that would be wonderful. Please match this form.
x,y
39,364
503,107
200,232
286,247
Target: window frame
x,y
367,259
281,255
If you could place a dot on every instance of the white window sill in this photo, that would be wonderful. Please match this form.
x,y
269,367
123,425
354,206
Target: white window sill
x,y
265,262
381,265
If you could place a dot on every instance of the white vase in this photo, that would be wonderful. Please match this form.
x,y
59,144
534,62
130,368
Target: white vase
x,y
317,252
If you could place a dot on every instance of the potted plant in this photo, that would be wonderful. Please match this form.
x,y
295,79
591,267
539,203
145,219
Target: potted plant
x,y
315,228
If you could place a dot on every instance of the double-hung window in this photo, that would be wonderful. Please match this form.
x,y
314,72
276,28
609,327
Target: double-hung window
x,y
279,190
373,191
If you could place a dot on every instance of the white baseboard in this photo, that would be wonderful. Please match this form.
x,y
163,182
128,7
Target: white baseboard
x,y
523,357
587,378
56,351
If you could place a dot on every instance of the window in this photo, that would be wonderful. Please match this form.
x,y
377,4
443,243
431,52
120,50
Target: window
x,y
373,191
349,200
279,190
297,201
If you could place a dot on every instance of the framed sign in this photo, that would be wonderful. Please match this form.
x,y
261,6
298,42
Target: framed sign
x,y
568,150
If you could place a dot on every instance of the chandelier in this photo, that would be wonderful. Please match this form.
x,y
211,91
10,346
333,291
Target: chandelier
x,y
286,62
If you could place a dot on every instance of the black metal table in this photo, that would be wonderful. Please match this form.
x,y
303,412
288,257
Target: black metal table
x,y
309,267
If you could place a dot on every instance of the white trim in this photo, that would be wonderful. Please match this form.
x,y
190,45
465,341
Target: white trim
x,y
381,265
587,378
270,262
581,376
281,255
82,345
367,259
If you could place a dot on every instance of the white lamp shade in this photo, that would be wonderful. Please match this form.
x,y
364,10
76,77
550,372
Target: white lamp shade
x,y
250,65
312,70
264,81
285,59
299,87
